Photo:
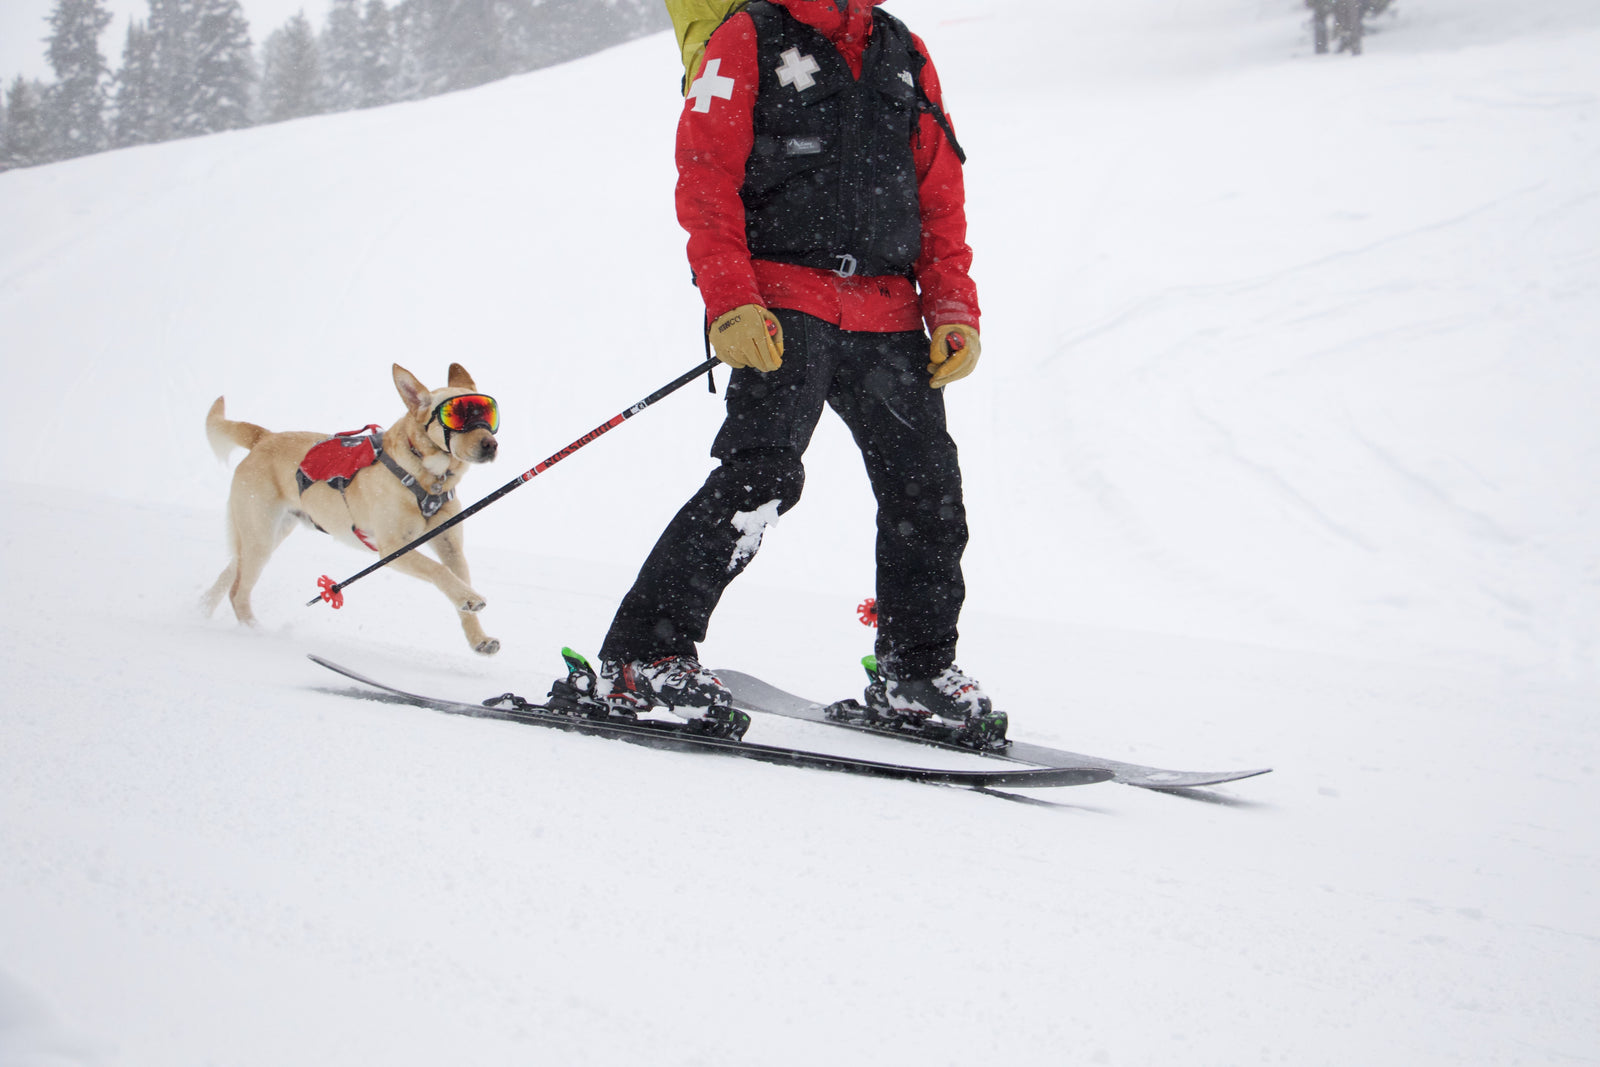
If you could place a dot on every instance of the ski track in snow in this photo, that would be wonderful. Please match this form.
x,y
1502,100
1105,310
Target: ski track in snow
x,y
1282,454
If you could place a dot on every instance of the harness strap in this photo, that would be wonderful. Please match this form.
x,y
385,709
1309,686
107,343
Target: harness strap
x,y
430,503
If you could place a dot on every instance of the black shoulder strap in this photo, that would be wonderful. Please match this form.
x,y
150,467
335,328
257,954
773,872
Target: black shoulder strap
x,y
944,123
918,61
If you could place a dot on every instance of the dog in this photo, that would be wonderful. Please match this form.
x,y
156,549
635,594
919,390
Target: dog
x,y
376,492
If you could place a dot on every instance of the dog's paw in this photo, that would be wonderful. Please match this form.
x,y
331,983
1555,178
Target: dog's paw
x,y
472,602
487,647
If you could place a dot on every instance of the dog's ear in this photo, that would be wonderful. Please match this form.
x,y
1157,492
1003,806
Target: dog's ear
x,y
460,379
413,392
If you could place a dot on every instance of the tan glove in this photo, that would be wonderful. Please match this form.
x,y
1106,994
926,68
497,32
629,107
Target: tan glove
x,y
953,354
748,336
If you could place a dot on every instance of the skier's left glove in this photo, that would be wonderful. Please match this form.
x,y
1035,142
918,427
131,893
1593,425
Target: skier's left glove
x,y
953,354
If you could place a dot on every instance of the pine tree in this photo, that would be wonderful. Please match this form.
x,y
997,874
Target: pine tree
x,y
135,109
377,55
75,106
223,69
413,28
25,143
470,42
341,56
291,75
172,29
571,28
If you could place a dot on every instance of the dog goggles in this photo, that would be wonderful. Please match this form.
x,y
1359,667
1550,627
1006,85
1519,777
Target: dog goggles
x,y
461,413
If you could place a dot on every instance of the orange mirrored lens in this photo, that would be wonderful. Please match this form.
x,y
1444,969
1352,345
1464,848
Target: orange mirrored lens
x,y
463,412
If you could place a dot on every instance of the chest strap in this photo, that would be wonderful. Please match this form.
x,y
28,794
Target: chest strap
x,y
430,503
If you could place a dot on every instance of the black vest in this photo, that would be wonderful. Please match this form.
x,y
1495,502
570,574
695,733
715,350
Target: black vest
x,y
831,181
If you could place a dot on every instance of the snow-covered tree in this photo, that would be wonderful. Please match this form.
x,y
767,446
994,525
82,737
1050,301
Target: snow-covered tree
x,y
223,69
341,56
470,42
291,72
377,55
567,29
172,29
136,110
412,23
454,44
23,141
75,106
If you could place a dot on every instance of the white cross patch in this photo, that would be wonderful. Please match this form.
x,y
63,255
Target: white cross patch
x,y
797,69
710,84
905,76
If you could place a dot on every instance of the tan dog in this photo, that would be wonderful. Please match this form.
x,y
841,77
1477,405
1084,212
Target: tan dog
x,y
371,509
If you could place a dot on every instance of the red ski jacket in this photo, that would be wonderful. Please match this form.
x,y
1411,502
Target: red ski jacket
x,y
715,136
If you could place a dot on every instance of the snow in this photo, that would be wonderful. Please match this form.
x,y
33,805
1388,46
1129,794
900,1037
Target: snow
x,y
752,527
1282,453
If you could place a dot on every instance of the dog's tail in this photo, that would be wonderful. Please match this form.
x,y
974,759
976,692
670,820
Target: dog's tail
x,y
226,435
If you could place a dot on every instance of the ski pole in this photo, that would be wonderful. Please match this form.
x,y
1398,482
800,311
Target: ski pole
x,y
332,591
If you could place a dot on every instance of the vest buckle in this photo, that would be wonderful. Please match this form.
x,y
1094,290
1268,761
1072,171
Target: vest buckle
x,y
847,265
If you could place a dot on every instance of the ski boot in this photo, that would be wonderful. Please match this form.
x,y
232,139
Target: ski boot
x,y
680,685
948,707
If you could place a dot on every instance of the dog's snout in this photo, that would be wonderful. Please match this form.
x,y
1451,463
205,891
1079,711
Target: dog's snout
x,y
487,448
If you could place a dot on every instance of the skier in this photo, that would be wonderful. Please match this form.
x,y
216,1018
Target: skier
x,y
821,187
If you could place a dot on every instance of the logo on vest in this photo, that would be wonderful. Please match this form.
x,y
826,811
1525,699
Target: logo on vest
x,y
796,70
710,84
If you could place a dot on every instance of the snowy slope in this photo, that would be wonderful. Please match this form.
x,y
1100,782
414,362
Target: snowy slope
x,y
1282,453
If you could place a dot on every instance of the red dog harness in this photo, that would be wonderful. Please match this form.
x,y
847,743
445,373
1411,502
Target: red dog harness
x,y
340,458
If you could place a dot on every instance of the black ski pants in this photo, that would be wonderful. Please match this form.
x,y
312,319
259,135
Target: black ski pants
x,y
878,384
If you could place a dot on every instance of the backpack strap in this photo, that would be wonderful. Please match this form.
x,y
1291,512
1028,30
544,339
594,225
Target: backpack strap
x,y
944,123
925,103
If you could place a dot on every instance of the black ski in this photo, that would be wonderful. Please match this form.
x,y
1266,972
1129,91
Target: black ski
x,y
678,736
753,694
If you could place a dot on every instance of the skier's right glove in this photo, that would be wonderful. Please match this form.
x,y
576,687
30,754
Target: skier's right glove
x,y
953,354
748,336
